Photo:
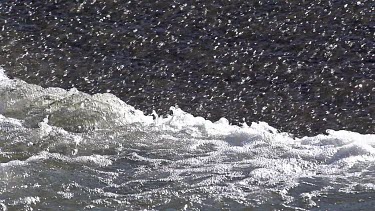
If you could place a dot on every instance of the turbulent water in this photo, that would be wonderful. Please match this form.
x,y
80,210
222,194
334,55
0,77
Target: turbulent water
x,y
65,149
187,105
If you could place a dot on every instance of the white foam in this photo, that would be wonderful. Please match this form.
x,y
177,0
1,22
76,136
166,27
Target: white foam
x,y
216,158
98,160
29,200
3,76
4,207
72,110
66,195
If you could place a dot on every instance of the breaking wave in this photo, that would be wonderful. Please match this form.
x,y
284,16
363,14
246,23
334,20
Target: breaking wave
x,y
68,148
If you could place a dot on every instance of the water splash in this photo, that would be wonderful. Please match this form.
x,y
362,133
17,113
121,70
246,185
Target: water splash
x,y
95,151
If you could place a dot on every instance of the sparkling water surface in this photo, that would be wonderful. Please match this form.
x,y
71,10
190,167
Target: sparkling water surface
x,y
176,105
301,66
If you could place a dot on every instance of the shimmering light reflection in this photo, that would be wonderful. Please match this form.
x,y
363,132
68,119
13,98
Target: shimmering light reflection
x,y
301,66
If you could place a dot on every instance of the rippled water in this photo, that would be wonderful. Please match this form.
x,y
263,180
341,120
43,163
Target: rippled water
x,y
301,66
213,83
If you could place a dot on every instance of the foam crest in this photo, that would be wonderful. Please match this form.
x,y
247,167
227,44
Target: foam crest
x,y
114,151
72,110
181,121
3,76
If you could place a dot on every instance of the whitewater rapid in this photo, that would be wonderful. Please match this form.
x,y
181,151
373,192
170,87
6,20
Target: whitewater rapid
x,y
68,149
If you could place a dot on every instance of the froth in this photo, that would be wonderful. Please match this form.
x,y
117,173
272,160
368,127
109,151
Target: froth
x,y
169,158
72,110
3,76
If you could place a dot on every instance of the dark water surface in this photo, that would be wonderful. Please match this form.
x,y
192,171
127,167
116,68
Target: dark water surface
x,y
296,66
301,66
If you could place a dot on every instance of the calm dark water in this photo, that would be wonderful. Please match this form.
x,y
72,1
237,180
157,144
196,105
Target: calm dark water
x,y
301,66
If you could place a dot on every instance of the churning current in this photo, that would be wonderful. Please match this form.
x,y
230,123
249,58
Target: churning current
x,y
68,150
176,105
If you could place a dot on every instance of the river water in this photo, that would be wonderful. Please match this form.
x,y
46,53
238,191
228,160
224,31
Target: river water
x,y
201,105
